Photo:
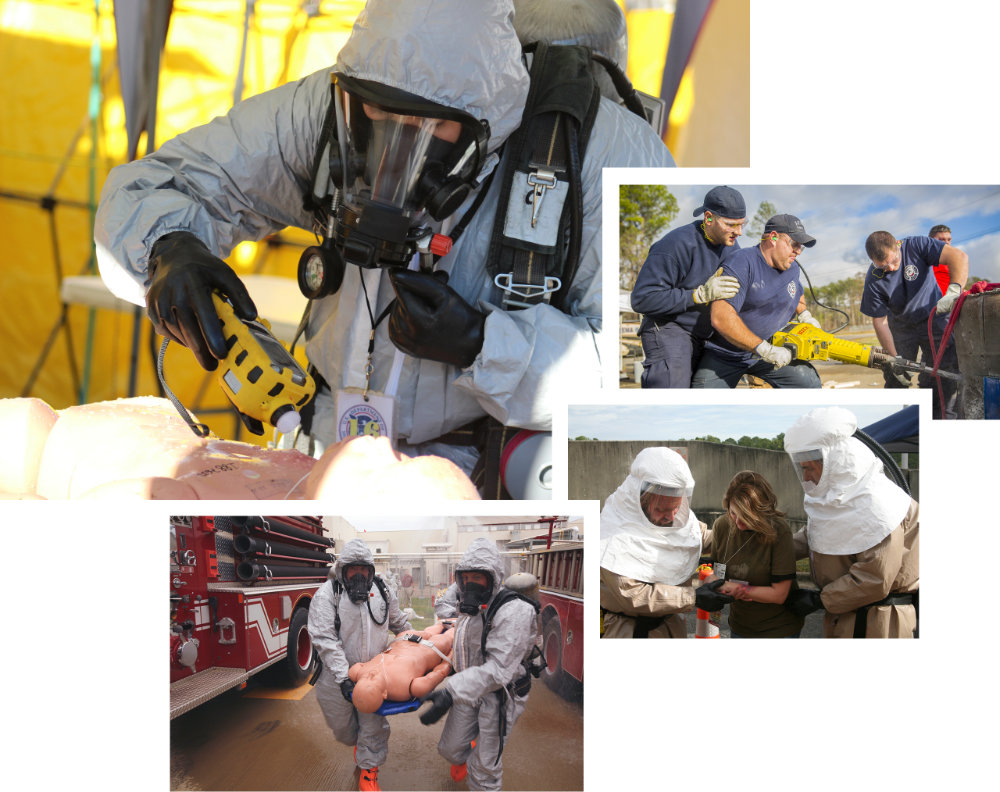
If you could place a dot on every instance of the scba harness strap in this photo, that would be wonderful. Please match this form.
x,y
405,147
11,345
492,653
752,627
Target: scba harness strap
x,y
538,230
521,685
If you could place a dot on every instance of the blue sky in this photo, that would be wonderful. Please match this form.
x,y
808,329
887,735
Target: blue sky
x,y
673,422
842,216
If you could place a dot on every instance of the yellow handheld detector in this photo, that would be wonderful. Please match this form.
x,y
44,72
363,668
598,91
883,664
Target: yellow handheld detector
x,y
259,375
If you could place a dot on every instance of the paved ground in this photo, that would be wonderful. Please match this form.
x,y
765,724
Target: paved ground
x,y
266,738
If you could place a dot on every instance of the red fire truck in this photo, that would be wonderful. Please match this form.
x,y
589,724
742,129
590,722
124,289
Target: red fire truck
x,y
559,569
240,589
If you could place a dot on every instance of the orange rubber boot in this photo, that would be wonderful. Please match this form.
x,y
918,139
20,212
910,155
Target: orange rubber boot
x,y
459,772
369,780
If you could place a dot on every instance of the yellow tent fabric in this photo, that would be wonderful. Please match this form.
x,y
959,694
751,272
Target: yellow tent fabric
x,y
63,129
46,149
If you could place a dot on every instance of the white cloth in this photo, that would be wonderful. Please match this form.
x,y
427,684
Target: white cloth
x,y
242,176
633,546
854,506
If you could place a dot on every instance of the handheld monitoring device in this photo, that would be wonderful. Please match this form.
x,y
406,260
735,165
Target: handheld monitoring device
x,y
259,375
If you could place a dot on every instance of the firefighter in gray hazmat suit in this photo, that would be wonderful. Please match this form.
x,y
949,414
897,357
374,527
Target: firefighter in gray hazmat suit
x,y
442,76
862,534
352,598
486,694
651,542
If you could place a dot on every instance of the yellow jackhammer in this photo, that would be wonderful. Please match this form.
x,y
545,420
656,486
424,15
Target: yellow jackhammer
x,y
808,342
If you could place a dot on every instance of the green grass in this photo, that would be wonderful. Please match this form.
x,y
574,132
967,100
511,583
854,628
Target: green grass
x,y
422,605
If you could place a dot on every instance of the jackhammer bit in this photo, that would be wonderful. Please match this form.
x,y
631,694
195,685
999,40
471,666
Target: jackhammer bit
x,y
881,359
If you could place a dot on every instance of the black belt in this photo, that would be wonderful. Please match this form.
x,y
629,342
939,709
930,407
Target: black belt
x,y
861,614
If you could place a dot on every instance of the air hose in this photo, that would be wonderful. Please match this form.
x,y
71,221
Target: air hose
x,y
812,292
892,469
979,287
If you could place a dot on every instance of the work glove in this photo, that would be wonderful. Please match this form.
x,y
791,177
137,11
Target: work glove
x,y
718,287
182,276
802,602
347,688
708,598
440,701
429,319
896,377
947,301
776,356
806,316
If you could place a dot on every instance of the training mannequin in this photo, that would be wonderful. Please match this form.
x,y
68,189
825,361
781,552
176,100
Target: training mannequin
x,y
140,448
405,670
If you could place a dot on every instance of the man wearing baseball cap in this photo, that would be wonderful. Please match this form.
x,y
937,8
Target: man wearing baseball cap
x,y
901,293
769,296
681,276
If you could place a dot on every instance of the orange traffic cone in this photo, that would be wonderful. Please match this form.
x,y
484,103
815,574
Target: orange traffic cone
x,y
704,627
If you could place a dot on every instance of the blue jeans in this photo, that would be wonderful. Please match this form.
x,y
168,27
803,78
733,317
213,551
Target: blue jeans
x,y
716,372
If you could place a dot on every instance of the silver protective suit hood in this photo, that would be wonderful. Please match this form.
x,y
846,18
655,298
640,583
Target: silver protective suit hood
x,y
853,506
407,45
355,552
633,546
482,554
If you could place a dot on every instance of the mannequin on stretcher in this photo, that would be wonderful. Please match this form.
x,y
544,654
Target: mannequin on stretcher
x,y
413,665
140,448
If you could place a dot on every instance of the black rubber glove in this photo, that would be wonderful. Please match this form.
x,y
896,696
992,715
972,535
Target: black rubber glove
x,y
440,701
347,688
430,320
802,602
182,276
708,598
896,377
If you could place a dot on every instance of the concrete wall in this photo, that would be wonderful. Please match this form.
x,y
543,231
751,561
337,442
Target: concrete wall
x,y
597,468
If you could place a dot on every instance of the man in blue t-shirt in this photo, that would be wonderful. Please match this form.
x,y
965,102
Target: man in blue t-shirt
x,y
900,283
770,295
681,275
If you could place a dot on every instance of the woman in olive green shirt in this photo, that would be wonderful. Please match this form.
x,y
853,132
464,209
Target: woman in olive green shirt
x,y
752,551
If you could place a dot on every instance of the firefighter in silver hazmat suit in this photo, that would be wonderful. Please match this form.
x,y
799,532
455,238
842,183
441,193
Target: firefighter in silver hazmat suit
x,y
863,532
446,606
244,176
366,619
650,545
486,695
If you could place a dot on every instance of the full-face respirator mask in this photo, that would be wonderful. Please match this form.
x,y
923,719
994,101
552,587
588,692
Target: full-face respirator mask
x,y
473,595
388,162
357,580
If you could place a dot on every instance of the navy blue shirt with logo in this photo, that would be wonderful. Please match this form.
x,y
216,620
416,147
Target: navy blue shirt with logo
x,y
909,293
675,266
766,302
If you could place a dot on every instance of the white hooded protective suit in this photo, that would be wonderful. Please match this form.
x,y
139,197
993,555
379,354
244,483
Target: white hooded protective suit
x,y
475,713
243,176
360,639
631,545
854,506
863,532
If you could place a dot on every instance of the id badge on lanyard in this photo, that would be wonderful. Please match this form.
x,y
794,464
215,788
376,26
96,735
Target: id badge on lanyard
x,y
362,413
